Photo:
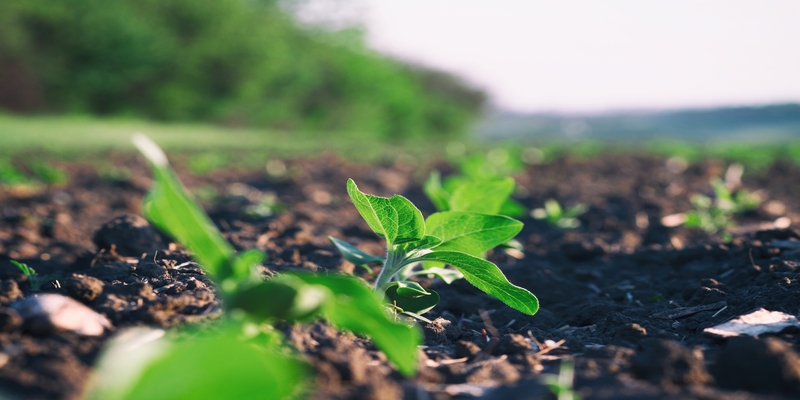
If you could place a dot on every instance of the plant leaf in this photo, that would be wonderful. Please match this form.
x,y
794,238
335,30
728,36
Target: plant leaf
x,y
410,223
394,219
285,298
435,192
207,366
470,232
355,255
446,274
376,211
427,242
483,196
487,277
170,208
355,307
409,289
416,304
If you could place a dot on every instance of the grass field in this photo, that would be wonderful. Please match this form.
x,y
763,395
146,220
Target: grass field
x,y
71,137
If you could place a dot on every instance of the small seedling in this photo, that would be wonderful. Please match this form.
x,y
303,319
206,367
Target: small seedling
x,y
455,238
562,384
556,215
713,215
48,174
267,206
461,193
36,281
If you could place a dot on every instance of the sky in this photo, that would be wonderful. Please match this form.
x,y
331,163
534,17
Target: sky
x,y
596,56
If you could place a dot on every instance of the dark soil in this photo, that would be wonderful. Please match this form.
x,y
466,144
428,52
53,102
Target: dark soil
x,y
615,290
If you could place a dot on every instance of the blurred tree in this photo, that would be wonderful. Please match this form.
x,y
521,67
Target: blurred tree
x,y
238,62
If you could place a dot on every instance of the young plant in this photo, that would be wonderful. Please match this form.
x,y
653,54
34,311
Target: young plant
x,y
252,304
460,193
562,384
36,281
713,215
455,238
555,215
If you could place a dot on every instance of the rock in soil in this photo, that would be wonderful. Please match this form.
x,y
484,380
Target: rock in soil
x,y
48,314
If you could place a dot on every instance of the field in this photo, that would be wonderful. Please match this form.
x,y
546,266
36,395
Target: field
x,y
625,295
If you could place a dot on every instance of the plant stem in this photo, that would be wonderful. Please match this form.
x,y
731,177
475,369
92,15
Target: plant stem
x,y
390,268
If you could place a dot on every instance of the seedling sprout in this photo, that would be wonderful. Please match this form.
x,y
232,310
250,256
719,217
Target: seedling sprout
x,y
456,238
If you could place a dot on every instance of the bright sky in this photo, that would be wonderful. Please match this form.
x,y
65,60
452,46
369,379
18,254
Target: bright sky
x,y
589,55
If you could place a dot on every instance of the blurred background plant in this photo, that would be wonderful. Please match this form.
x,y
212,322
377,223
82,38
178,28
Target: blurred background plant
x,y
232,62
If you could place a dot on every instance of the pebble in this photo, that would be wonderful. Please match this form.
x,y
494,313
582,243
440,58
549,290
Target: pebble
x,y
50,313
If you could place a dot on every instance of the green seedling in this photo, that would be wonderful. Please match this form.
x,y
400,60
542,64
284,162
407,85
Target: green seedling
x,y
34,279
461,193
48,174
251,304
555,215
714,215
112,174
267,206
10,175
455,238
202,164
562,384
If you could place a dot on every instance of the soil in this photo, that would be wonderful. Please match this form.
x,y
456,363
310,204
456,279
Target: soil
x,y
616,290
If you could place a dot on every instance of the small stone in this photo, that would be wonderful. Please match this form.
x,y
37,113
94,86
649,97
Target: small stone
x,y
50,313
83,288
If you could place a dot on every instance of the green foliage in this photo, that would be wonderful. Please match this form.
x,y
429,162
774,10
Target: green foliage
x,y
41,172
490,195
555,215
236,62
562,384
713,215
216,365
221,364
35,280
446,237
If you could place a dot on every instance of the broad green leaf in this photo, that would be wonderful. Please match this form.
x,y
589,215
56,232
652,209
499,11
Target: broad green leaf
x,y
483,196
283,298
446,274
353,254
394,219
487,277
355,307
426,242
409,289
376,211
170,208
470,232
410,223
413,303
210,365
435,192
